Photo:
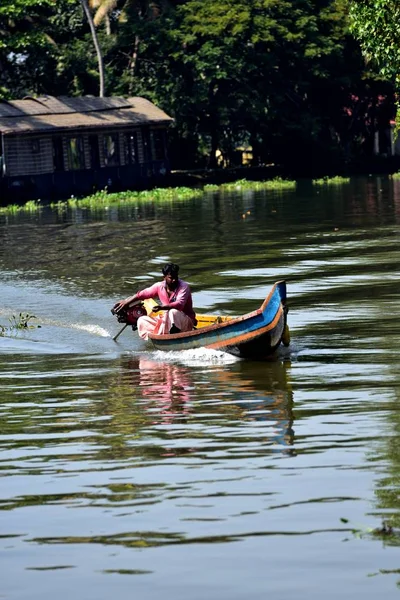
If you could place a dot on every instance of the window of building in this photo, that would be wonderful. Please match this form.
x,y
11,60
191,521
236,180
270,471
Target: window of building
x,y
110,148
1,157
146,145
157,144
94,151
76,153
35,146
58,154
131,148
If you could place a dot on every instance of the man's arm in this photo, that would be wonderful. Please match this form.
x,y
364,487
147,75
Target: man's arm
x,y
149,292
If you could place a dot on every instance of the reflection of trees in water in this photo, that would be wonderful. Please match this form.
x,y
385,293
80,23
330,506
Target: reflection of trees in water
x,y
263,393
377,198
387,489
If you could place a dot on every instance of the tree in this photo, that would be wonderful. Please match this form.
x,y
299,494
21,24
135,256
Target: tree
x,y
138,25
275,73
45,49
375,23
23,35
96,44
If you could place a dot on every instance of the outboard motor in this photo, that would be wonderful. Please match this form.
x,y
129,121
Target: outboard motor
x,y
130,314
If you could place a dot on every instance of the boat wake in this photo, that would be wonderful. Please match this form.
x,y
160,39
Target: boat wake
x,y
195,357
93,329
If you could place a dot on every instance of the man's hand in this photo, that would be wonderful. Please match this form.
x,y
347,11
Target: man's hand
x,y
118,306
159,307
121,304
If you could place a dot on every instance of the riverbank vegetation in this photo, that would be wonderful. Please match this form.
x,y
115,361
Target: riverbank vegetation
x,y
104,199
284,79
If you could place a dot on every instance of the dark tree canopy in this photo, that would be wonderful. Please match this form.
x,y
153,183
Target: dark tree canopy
x,y
283,76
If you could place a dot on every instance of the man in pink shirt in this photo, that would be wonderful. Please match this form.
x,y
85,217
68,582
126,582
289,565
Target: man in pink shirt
x,y
176,300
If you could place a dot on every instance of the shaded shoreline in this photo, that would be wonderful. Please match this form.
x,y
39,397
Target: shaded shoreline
x,y
185,184
375,165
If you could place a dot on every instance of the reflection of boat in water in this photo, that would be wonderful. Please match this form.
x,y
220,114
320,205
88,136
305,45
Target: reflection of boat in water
x,y
167,385
254,335
244,391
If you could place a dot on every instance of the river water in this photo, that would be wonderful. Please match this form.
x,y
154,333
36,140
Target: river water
x,y
125,472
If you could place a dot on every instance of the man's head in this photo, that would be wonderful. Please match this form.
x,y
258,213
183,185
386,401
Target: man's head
x,y
170,272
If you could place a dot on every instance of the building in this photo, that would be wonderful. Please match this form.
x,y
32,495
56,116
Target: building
x,y
52,148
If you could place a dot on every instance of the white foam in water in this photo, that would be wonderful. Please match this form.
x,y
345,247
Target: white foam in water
x,y
95,329
196,357
88,327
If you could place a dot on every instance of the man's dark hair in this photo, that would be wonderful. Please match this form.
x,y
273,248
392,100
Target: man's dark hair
x,y
170,269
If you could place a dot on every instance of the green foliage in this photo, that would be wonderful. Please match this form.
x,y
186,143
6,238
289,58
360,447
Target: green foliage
x,y
375,23
23,39
256,72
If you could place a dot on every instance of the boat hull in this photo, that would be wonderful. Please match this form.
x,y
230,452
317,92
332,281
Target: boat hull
x,y
254,335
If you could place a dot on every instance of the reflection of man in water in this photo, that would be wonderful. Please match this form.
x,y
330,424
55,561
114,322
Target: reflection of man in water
x,y
176,300
167,386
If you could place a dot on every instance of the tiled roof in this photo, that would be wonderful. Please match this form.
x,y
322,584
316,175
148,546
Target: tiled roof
x,y
48,113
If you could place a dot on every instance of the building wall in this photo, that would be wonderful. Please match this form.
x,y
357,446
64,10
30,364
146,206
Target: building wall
x,y
33,155
28,155
43,167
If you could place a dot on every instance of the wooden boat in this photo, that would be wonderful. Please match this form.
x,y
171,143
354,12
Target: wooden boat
x,y
254,335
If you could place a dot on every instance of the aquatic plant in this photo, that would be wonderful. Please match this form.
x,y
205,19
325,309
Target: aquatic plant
x,y
338,180
104,199
385,531
22,321
30,206
271,184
